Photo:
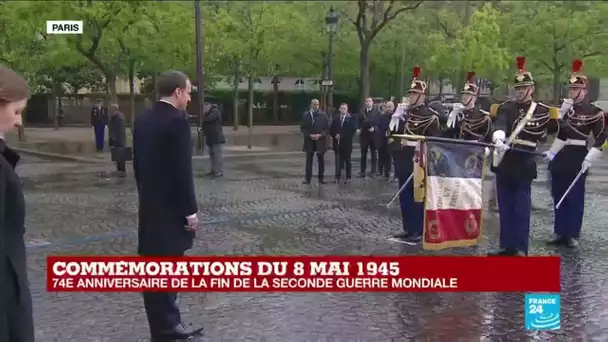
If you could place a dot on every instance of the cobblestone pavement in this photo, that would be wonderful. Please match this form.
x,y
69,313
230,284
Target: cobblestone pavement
x,y
261,208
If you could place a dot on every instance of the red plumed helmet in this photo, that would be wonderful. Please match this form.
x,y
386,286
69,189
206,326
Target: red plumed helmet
x,y
521,63
470,75
577,66
416,72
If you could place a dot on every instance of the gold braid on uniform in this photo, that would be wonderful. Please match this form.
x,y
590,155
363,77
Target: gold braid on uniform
x,y
536,125
417,125
576,121
471,126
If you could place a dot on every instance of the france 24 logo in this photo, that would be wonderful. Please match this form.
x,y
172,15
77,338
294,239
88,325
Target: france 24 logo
x,y
542,311
64,26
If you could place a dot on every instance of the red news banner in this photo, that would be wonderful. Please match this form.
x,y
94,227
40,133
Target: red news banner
x,y
303,274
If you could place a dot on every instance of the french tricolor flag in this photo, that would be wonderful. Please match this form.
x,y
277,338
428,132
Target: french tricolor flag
x,y
454,196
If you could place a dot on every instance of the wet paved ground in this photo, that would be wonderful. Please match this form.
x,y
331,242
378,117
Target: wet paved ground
x,y
261,208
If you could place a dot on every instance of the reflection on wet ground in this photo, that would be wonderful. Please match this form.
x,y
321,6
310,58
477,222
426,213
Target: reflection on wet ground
x,y
260,207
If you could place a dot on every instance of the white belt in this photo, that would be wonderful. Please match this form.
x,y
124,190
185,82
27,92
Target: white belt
x,y
411,143
576,142
524,143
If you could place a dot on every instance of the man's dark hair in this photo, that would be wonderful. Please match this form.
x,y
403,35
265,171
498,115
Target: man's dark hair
x,y
168,81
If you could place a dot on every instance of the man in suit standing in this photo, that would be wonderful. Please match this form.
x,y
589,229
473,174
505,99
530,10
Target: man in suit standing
x,y
384,153
314,127
162,148
16,319
117,130
342,131
99,120
369,136
214,137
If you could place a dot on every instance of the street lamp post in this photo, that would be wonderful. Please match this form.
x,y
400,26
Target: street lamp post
x,y
200,89
332,28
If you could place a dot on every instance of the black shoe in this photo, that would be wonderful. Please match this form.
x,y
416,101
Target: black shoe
x,y
557,240
387,176
571,243
347,180
179,332
306,182
337,180
402,236
209,174
321,181
361,175
414,238
504,252
218,174
379,174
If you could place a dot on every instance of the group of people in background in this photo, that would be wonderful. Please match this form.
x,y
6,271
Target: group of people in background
x,y
370,125
515,130
116,123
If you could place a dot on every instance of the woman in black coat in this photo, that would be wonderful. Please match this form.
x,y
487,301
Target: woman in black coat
x,y
16,321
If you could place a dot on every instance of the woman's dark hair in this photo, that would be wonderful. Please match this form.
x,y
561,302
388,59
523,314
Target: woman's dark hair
x,y
168,81
13,87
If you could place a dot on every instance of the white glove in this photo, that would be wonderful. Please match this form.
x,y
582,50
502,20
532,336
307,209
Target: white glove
x,y
585,166
453,116
358,131
566,106
486,152
501,147
399,115
557,146
548,156
371,129
593,155
499,136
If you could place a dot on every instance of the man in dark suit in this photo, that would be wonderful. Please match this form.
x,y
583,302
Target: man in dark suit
x,y
315,127
384,153
117,131
369,137
99,120
214,137
162,148
16,319
342,131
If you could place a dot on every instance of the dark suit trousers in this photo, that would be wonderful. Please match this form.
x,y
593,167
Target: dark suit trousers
x,y
384,160
320,165
162,311
343,162
19,307
367,146
121,166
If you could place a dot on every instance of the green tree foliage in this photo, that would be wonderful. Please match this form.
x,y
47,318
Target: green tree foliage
x,y
376,46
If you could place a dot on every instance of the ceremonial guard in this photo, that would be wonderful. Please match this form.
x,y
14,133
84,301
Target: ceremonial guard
x,y
471,122
522,124
569,157
414,118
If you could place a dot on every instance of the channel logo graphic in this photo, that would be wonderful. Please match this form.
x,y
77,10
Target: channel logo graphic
x,y
542,311
64,26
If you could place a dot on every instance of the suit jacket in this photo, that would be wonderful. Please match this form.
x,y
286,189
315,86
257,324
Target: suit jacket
x,y
99,116
369,119
346,130
16,296
317,123
162,163
383,127
117,130
212,126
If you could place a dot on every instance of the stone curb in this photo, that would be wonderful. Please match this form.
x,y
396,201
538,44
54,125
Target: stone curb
x,y
56,156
